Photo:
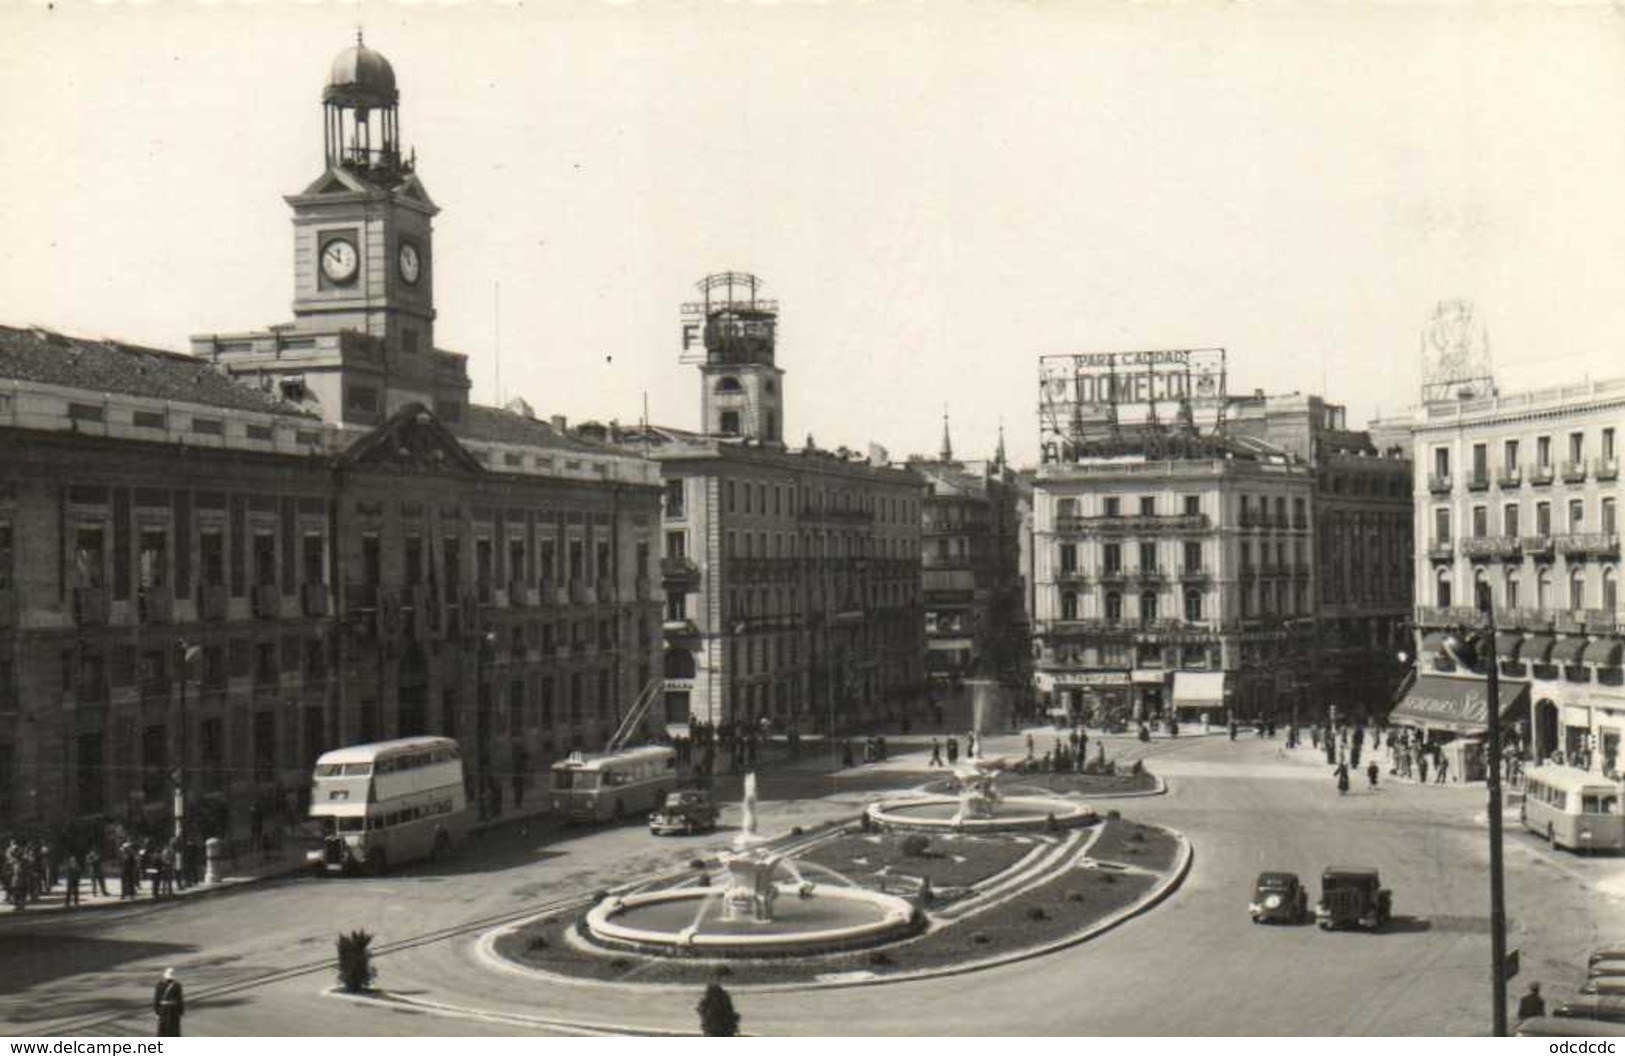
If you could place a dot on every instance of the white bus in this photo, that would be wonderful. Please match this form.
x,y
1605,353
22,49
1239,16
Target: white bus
x,y
1573,808
614,785
389,802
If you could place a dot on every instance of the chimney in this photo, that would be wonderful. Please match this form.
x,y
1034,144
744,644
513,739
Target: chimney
x,y
560,424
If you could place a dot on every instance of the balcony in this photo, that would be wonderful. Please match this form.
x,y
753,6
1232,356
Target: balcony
x,y
1478,480
1113,576
1301,573
313,599
211,601
1433,616
1498,547
678,570
518,594
155,606
1589,544
1509,477
1138,524
358,597
1541,474
1536,546
1439,484
1523,619
1567,623
1151,575
267,601
1441,550
1194,572
1601,621
90,606
1605,469
1074,577
1574,472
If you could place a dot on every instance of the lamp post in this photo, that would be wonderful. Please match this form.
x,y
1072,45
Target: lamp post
x,y
187,652
1460,647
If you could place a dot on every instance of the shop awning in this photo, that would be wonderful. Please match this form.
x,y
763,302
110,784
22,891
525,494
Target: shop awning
x,y
1568,649
1455,705
1536,648
1605,652
1198,689
1507,643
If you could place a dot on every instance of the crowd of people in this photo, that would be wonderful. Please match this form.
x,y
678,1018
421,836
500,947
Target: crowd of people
x,y
30,870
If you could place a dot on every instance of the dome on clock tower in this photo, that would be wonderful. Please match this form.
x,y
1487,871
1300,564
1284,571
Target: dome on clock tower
x,y
361,78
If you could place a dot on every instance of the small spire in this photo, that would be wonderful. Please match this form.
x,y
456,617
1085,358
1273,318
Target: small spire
x,y
947,444
358,41
998,455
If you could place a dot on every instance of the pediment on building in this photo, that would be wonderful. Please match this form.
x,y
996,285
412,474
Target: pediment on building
x,y
336,181
413,440
412,189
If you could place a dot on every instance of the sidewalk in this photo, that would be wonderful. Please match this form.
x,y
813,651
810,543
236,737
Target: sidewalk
x,y
246,870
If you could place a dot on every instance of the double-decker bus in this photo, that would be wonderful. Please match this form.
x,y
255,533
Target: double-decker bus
x,y
389,802
1573,808
613,785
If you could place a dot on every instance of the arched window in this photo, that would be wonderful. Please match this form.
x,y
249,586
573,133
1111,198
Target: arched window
x,y
1148,606
1610,591
729,384
1114,607
1069,606
1443,589
1511,594
1193,606
1577,590
1481,585
1543,590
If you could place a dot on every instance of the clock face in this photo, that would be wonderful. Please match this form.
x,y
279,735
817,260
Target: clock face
x,y
411,264
339,260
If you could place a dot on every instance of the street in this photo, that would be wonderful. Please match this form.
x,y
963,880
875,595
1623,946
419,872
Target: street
x,y
257,960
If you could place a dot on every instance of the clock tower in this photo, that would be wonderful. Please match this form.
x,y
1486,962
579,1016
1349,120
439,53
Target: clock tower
x,y
361,344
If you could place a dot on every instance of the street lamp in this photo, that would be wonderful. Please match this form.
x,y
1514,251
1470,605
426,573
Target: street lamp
x,y
1474,652
188,652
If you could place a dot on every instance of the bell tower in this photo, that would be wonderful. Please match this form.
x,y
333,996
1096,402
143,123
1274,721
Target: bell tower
x,y
363,235
731,335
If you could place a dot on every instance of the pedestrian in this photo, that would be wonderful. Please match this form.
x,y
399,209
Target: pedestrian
x,y
953,751
1233,729
1444,768
936,753
70,880
1342,773
93,872
1422,768
1371,772
169,1005
1029,745
1531,1004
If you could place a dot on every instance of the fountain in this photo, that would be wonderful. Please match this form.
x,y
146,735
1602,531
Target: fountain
x,y
978,805
745,915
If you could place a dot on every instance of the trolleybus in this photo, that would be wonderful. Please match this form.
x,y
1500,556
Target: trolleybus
x,y
613,785
1573,808
389,802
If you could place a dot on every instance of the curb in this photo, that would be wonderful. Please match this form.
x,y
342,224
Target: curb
x,y
192,894
485,948
390,1001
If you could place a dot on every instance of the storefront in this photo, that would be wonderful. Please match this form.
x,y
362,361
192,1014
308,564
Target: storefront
x,y
1148,693
1200,694
1454,713
1095,697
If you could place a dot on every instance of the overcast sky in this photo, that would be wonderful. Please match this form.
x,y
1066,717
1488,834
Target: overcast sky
x,y
936,194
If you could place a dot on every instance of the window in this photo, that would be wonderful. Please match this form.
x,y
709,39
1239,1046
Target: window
x,y
1512,590
1114,607
1543,518
1481,521
149,420
1148,557
264,559
1609,525
1443,590
674,498
1610,591
1509,456
1193,505
1069,557
1066,509
88,556
1543,590
676,606
1577,514
1543,451
1114,507
1069,606
1481,461
1441,463
1608,444
730,423
1300,518
1577,442
731,496
154,563
1577,591
362,398
1148,607
1193,557
1193,606
1509,519
311,558
1112,557
1441,526
1148,505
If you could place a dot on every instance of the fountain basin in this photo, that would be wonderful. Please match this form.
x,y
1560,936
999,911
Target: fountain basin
x,y
1010,814
829,919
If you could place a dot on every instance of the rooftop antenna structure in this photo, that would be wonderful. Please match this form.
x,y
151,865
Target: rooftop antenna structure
x,y
1455,350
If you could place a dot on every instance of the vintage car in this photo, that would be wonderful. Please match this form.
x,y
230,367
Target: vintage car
x,y
1609,1009
688,811
1279,897
1352,896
